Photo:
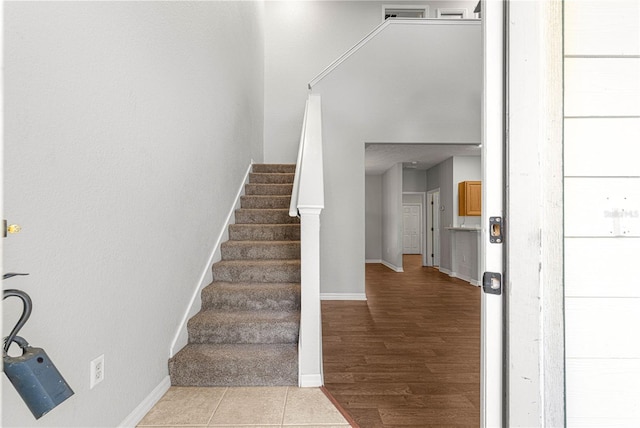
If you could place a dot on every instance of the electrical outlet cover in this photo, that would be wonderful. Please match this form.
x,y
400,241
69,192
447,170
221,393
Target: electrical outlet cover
x,y
96,372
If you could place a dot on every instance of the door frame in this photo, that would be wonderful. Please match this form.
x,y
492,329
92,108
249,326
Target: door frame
x,y
534,283
423,239
429,261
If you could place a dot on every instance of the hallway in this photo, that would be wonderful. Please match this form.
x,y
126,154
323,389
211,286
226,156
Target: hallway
x,y
410,355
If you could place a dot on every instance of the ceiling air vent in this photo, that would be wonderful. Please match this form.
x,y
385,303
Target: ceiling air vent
x,y
398,11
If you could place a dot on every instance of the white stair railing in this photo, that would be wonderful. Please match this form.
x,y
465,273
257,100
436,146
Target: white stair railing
x,y
307,201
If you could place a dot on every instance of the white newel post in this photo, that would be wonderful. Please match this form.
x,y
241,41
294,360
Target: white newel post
x,y
310,370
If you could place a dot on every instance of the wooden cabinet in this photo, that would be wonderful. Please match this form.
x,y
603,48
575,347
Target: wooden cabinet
x,y
470,198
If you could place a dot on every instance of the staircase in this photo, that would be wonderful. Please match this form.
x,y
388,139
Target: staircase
x,y
247,330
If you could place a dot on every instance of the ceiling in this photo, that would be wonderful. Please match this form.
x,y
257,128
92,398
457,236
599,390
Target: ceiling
x,y
379,157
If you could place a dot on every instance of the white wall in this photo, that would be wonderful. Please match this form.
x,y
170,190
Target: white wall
x,y
128,129
447,215
392,217
373,217
414,180
301,39
602,212
363,107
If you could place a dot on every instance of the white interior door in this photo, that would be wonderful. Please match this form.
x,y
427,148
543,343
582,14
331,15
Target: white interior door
x,y
493,130
411,233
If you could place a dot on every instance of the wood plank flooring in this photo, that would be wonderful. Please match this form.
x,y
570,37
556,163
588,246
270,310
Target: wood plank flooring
x,y
410,355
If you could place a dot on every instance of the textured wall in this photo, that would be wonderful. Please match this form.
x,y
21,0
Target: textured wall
x,y
128,129
301,39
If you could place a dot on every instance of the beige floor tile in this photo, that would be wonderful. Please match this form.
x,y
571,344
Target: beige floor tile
x,y
317,426
308,406
250,406
184,406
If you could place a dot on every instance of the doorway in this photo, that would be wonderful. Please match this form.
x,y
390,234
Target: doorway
x,y
433,228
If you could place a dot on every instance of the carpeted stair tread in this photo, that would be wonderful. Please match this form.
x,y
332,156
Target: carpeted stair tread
x,y
257,271
235,365
264,232
261,250
244,296
264,216
271,178
247,329
213,326
268,189
274,168
265,201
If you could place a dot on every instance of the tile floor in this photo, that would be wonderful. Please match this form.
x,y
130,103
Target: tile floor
x,y
244,407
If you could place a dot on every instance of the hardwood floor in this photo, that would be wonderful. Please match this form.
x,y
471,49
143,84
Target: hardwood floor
x,y
410,355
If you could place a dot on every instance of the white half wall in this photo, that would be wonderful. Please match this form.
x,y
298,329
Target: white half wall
x,y
128,128
301,39
391,103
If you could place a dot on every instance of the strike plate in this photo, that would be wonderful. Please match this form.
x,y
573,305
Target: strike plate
x,y
496,231
492,283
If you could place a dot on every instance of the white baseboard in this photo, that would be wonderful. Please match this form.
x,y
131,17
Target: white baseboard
x,y
468,279
373,261
447,271
343,296
459,276
181,337
143,408
310,381
392,267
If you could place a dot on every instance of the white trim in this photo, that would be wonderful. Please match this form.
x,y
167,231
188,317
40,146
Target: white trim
x,y
429,224
343,296
310,381
468,279
376,31
147,404
423,225
373,261
181,337
492,391
392,267
446,271
534,317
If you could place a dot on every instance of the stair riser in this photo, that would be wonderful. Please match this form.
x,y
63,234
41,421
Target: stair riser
x,y
281,332
239,232
282,273
268,189
255,178
274,168
279,371
267,202
255,251
277,299
275,216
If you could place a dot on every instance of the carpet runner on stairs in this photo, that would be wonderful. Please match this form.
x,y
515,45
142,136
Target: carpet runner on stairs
x,y
247,330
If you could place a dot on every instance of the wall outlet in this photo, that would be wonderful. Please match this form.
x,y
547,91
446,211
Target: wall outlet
x,y
96,371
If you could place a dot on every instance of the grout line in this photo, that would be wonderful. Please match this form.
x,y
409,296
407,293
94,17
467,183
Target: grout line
x,y
284,406
215,409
